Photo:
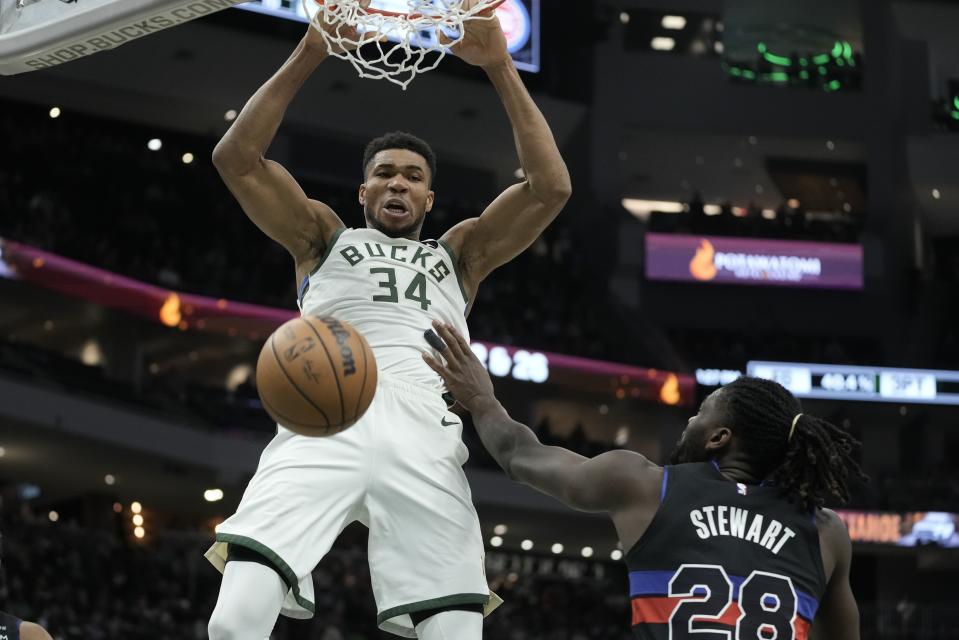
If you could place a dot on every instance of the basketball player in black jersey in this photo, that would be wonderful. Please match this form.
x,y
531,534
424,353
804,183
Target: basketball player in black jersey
x,y
727,542
13,628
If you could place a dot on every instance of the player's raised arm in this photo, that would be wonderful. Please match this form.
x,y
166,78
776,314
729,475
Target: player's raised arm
x,y
520,214
267,192
838,614
607,483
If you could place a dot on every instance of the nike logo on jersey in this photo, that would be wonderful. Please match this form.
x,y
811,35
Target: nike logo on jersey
x,y
448,424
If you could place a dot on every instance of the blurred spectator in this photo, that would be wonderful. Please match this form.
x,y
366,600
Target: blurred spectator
x,y
88,584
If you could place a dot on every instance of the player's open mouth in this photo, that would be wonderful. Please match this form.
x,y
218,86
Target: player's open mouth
x,y
396,208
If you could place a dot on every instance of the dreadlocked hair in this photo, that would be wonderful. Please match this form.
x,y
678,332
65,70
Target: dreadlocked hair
x,y
809,467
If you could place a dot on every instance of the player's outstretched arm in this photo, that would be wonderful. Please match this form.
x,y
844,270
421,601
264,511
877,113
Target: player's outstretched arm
x,y
605,483
838,614
32,631
520,214
267,192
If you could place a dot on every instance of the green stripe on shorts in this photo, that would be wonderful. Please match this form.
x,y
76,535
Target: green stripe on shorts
x,y
435,603
288,576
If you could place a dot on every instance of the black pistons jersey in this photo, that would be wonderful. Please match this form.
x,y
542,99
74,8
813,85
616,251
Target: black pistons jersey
x,y
9,627
723,560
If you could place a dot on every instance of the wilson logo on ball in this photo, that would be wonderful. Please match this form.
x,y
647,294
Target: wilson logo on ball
x,y
342,337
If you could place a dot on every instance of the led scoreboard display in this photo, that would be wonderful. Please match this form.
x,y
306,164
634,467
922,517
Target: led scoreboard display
x,y
870,384
519,18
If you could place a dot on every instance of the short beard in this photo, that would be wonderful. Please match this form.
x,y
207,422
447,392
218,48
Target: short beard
x,y
687,451
411,229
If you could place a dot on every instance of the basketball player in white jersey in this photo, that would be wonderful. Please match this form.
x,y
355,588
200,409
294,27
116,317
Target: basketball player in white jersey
x,y
399,469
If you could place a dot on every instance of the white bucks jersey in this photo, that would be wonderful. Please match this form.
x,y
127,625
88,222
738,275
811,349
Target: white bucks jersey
x,y
390,289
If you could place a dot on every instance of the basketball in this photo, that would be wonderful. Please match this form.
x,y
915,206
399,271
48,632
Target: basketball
x,y
316,376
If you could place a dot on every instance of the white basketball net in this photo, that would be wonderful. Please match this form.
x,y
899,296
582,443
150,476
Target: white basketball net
x,y
396,47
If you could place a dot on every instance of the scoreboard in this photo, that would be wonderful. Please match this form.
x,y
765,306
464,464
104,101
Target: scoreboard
x,y
520,20
871,384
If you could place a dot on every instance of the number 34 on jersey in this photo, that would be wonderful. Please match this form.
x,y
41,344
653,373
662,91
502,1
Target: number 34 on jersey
x,y
415,290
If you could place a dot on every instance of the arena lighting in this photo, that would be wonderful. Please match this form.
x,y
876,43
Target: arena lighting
x,y
661,43
716,377
3,452
519,174
557,548
675,23
526,545
138,520
712,209
500,529
28,491
187,158
936,194
136,507
642,208
624,17
830,145
170,314
587,552
55,112
616,554
238,375
91,354
109,479
139,532
54,516
230,115
155,144
496,541
793,203
772,58
622,436
213,495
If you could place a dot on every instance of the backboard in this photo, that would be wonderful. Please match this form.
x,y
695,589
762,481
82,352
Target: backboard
x,y
37,34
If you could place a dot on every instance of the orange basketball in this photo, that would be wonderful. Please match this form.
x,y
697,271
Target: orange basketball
x,y
316,375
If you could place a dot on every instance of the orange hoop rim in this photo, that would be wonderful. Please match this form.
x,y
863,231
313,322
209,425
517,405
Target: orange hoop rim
x,y
414,16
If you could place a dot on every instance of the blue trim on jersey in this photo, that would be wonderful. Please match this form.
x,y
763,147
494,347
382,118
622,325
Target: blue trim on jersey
x,y
656,583
302,289
649,583
662,492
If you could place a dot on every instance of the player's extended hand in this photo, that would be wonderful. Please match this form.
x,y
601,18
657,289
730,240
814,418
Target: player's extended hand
x,y
464,375
483,43
345,37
